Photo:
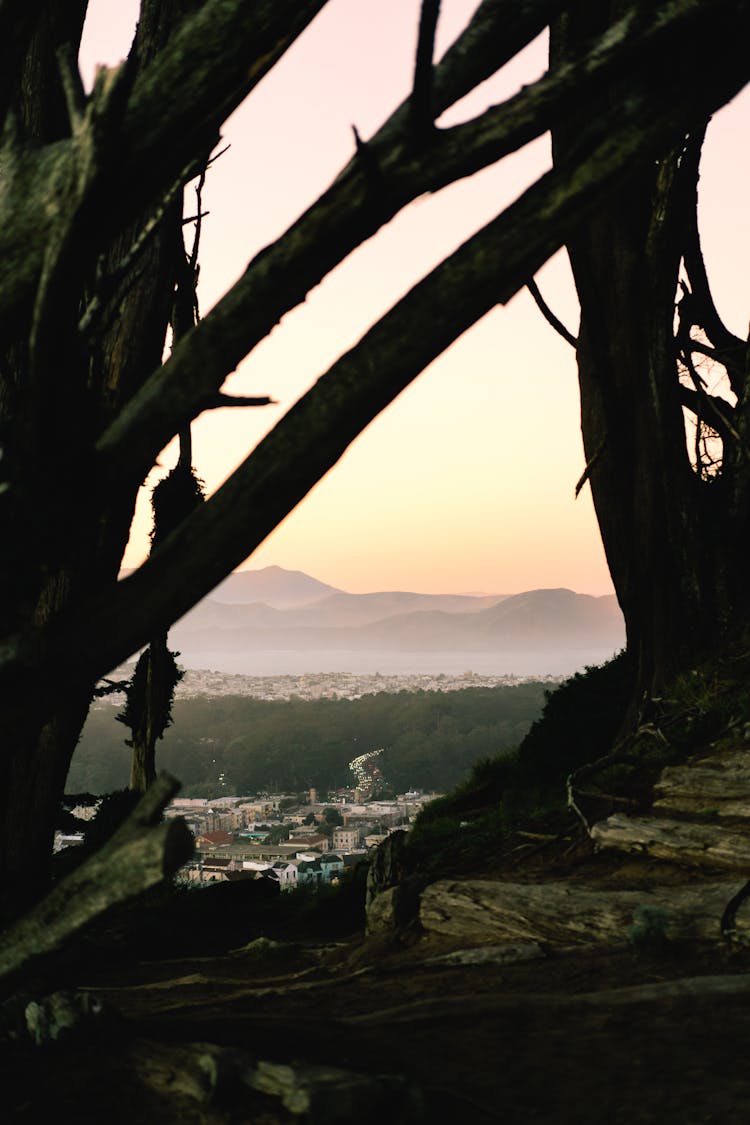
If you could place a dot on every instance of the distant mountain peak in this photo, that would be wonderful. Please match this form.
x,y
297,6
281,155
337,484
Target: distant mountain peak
x,y
273,586
311,617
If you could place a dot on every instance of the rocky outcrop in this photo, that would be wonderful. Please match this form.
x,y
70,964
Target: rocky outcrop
x,y
392,895
700,816
688,826
719,785
682,841
565,914
382,915
387,867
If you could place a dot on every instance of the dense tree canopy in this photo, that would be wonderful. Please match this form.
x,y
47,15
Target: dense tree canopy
x,y
430,740
93,275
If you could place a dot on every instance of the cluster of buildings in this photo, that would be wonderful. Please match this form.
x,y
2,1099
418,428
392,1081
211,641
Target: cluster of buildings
x,y
333,685
291,840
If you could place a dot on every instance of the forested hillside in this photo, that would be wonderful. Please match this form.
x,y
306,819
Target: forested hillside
x,y
431,740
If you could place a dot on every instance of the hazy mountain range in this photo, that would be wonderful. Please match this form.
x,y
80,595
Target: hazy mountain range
x,y
274,610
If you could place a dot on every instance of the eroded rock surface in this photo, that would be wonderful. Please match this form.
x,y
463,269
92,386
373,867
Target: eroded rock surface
x,y
565,914
701,844
719,785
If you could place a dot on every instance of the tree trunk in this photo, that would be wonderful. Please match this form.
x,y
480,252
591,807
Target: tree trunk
x,y
34,767
91,248
673,535
63,537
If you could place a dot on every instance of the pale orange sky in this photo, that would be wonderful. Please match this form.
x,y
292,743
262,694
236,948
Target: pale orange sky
x,y
466,482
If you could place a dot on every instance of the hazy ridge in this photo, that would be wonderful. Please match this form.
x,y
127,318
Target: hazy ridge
x,y
273,610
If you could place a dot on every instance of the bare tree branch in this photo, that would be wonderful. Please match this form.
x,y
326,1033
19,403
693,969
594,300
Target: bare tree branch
x,y
312,436
95,636
707,350
700,402
141,853
281,275
157,134
703,309
72,474
550,317
182,66
590,465
220,401
499,29
75,97
421,109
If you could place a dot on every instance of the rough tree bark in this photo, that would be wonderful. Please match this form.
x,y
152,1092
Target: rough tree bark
x,y
64,537
90,256
674,513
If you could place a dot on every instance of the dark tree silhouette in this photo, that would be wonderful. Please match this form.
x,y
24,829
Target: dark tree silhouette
x,y
91,262
674,514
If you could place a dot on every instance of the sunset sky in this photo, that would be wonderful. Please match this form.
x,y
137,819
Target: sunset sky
x,y
466,482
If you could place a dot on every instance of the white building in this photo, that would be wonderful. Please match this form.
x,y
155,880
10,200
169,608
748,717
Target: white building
x,y
286,872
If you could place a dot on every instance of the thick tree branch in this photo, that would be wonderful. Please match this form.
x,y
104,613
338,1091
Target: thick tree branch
x,y
156,136
70,75
142,852
29,33
490,267
17,19
160,135
31,185
161,131
724,340
281,275
703,310
95,636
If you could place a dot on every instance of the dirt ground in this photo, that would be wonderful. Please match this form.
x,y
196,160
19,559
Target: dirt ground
x,y
480,1043
558,1038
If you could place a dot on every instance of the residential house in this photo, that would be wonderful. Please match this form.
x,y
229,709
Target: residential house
x,y
244,876
215,868
332,867
286,872
256,867
256,810
309,872
316,841
346,839
322,869
217,839
297,818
